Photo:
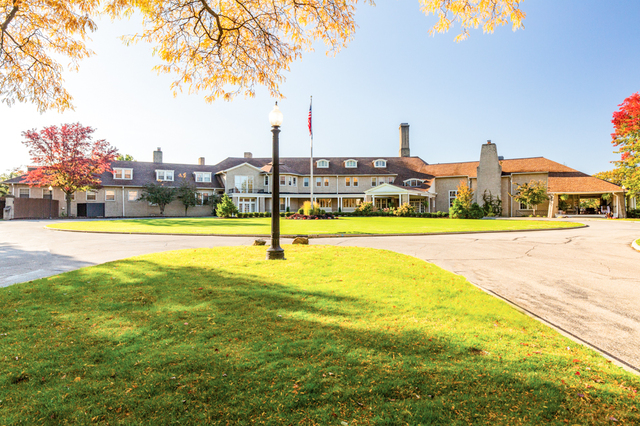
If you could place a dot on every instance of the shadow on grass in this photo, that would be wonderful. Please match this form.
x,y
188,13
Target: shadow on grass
x,y
152,342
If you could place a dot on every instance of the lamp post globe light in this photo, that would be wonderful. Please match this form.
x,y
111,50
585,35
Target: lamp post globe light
x,y
50,200
275,252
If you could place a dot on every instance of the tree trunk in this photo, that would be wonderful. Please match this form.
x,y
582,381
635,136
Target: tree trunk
x,y
68,197
185,210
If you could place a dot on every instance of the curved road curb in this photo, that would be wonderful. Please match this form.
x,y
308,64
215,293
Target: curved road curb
x,y
635,245
317,235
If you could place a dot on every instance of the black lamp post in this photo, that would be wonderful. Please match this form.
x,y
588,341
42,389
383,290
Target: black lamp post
x,y
275,252
50,200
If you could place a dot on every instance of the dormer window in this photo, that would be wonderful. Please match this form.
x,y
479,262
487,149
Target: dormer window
x,y
413,182
203,176
119,173
351,164
164,175
323,164
381,164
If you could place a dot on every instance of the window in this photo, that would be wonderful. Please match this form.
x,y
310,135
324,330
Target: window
x,y
282,206
413,182
380,181
203,177
164,175
46,194
347,181
391,180
325,203
203,198
119,173
355,181
525,206
132,195
24,192
293,181
110,195
452,196
283,180
92,195
318,181
351,164
322,164
326,181
244,184
374,181
247,205
305,182
380,163
266,180
351,203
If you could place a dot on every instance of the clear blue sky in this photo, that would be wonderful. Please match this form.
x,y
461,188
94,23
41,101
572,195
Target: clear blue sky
x,y
548,90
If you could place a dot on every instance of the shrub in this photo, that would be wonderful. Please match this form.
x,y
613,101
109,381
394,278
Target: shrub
x,y
634,213
476,212
491,206
282,215
225,207
366,208
267,214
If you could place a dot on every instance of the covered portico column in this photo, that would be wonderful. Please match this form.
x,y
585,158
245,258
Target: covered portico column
x,y
553,205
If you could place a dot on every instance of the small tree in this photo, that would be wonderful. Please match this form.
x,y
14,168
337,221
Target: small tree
x,y
492,206
9,174
226,208
67,158
187,193
531,194
462,204
157,193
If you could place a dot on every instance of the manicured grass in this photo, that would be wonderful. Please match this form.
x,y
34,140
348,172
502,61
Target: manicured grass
x,y
343,225
331,335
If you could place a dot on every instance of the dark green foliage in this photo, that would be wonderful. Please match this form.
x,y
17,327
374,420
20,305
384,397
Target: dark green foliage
x,y
188,194
159,194
491,205
226,208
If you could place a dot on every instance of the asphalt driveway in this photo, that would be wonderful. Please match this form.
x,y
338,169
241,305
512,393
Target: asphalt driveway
x,y
585,281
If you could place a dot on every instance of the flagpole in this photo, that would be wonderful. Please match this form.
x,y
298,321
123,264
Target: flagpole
x,y
311,183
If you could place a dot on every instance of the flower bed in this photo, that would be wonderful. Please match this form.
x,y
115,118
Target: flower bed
x,y
299,216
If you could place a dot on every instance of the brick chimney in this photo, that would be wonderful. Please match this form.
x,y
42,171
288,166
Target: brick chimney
x,y
404,140
201,161
248,155
157,156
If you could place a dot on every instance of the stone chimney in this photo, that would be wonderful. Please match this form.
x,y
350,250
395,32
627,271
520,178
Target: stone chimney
x,y
404,140
248,155
489,173
201,161
157,156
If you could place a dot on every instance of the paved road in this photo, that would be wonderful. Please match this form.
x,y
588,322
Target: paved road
x,y
586,281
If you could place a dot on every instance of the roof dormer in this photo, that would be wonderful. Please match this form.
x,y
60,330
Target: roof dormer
x,y
351,163
380,163
322,164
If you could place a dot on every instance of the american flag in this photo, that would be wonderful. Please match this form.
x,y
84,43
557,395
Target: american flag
x,y
310,129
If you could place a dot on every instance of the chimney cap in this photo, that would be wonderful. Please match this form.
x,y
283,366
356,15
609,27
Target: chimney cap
x,y
488,141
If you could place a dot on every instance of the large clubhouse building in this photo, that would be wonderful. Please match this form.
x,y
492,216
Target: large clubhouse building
x,y
338,183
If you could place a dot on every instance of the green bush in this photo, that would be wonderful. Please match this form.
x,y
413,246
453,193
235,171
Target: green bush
x,y
267,214
225,207
476,212
633,214
365,208
282,215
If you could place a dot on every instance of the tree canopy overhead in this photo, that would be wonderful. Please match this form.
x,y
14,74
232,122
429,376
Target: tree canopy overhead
x,y
222,48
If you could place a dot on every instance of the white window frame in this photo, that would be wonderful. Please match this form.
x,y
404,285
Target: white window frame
x,y
165,175
374,181
203,177
123,173
381,180
23,189
355,181
238,186
91,191
283,205
347,181
50,194
109,191
391,179
409,182
283,181
266,180
453,194
351,203
133,192
326,182
325,203
380,163
200,195
351,164
319,182
305,182
524,206
322,164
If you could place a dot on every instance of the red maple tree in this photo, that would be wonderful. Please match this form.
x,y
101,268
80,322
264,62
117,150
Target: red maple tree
x,y
67,157
626,136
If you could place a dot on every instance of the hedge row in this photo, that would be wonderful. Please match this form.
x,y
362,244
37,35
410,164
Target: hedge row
x,y
378,213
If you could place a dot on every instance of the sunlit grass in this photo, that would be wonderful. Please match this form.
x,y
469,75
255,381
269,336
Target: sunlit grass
x,y
330,335
343,225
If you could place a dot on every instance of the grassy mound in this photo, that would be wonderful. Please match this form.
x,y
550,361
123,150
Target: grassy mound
x,y
330,335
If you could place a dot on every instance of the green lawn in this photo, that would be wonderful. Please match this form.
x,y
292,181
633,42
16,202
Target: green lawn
x,y
331,336
343,225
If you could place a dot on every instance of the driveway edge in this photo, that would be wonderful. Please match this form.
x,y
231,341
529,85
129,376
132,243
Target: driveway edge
x,y
318,235
635,245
